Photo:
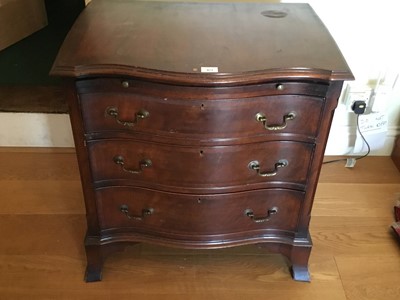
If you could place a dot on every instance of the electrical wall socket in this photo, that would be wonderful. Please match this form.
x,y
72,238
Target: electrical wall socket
x,y
354,93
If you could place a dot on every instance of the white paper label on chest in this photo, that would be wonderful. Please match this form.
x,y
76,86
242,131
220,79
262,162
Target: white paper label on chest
x,y
209,69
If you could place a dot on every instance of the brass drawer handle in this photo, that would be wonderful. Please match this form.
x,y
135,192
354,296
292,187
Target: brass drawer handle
x,y
113,112
145,163
255,165
260,117
272,211
145,213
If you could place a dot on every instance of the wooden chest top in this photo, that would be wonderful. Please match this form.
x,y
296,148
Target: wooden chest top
x,y
202,43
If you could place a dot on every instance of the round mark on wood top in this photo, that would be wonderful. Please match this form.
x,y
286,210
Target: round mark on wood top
x,y
274,13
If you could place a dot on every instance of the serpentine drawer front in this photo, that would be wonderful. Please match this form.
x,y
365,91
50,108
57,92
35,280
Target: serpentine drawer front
x,y
171,214
210,116
197,130
122,161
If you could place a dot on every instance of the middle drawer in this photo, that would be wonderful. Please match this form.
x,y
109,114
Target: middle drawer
x,y
164,166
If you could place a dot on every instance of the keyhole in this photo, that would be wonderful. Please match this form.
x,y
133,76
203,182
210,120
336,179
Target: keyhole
x,y
201,153
202,107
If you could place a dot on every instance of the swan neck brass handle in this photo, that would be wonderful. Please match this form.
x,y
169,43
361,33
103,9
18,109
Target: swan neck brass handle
x,y
145,213
272,211
145,163
255,165
260,117
113,112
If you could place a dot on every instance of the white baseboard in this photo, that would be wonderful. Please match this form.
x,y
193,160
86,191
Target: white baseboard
x,y
54,130
35,130
342,139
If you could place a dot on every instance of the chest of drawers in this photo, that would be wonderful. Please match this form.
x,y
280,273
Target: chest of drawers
x,y
200,125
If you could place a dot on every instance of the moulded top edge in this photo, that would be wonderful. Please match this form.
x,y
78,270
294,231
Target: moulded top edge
x,y
207,79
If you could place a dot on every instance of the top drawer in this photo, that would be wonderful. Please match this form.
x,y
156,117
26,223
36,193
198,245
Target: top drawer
x,y
202,113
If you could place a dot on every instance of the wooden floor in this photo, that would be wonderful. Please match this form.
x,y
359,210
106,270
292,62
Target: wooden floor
x,y
42,225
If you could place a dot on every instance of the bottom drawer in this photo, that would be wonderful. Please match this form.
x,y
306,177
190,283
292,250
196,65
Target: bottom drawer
x,y
155,212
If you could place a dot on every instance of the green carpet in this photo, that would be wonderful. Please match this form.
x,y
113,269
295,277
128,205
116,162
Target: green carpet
x,y
25,66
29,61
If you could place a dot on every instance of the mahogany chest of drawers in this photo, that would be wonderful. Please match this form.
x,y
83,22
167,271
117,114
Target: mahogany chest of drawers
x,y
200,125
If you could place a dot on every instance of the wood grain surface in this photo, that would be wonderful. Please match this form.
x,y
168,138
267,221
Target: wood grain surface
x,y
231,38
42,225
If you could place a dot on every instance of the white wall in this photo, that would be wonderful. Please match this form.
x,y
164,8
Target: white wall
x,y
367,32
